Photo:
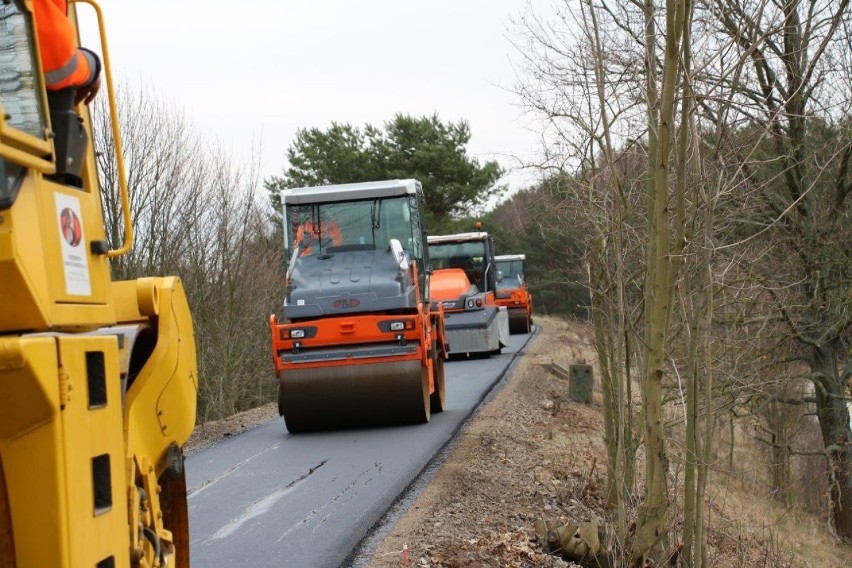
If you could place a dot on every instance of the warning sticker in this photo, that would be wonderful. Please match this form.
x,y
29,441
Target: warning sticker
x,y
73,245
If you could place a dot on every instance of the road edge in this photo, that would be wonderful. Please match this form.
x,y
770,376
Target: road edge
x,y
362,554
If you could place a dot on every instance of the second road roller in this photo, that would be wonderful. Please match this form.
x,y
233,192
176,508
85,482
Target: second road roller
x,y
464,281
512,291
359,342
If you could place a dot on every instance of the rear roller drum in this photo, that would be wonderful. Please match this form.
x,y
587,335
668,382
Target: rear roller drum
x,y
519,321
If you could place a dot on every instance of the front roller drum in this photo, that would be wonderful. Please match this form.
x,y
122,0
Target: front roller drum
x,y
354,396
438,398
519,321
175,514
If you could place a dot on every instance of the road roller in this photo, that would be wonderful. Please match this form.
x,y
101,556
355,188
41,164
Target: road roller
x,y
512,292
358,343
98,380
464,280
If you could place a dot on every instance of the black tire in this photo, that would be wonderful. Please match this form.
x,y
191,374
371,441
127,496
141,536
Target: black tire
x,y
423,415
438,399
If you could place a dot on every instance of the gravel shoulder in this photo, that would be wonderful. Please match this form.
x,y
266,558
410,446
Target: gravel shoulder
x,y
506,468
211,432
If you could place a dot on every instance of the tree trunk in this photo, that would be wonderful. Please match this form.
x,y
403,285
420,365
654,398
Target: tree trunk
x,y
653,514
833,414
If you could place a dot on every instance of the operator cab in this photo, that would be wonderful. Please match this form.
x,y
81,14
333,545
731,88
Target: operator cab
x,y
511,269
469,252
322,222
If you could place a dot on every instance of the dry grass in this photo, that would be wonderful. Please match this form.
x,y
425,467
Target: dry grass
x,y
532,452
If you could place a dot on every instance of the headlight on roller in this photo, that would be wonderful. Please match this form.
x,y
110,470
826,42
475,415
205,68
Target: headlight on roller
x,y
297,333
395,326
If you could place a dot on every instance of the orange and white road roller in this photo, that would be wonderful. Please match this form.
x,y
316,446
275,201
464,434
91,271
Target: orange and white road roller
x,y
359,342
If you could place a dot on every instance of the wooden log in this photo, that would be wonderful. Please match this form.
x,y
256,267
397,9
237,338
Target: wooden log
x,y
580,543
561,539
560,371
542,527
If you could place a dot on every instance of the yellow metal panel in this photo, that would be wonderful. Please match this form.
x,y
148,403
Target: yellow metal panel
x,y
52,280
23,273
38,497
28,388
32,454
94,432
71,220
165,390
47,452
7,245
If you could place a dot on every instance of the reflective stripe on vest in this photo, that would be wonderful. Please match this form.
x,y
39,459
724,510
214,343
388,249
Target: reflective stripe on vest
x,y
57,75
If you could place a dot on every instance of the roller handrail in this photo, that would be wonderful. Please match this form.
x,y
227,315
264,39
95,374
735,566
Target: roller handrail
x,y
116,134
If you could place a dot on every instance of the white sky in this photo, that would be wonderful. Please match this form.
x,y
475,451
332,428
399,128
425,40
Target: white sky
x,y
251,72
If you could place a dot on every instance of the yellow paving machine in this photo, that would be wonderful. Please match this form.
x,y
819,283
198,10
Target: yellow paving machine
x,y
98,377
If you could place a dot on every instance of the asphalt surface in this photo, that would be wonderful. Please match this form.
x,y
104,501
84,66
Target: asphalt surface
x,y
267,498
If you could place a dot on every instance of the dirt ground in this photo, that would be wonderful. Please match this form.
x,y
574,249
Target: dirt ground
x,y
527,454
210,432
532,453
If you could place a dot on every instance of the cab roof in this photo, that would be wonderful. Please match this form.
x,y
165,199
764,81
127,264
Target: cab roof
x,y
349,191
458,237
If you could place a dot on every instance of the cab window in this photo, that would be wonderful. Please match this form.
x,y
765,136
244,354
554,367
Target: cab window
x,y
19,79
10,178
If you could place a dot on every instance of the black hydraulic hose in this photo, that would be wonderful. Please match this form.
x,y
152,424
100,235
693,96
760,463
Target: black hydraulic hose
x,y
155,542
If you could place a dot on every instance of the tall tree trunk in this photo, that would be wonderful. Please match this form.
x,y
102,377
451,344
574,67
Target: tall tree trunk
x,y
833,414
653,514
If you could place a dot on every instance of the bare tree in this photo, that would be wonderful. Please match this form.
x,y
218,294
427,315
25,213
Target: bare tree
x,y
588,118
597,132
794,98
197,215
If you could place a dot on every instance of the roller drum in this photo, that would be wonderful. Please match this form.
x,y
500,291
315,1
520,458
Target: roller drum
x,y
519,321
438,398
352,396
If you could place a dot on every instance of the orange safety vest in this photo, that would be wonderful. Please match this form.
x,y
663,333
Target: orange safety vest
x,y
65,64
330,230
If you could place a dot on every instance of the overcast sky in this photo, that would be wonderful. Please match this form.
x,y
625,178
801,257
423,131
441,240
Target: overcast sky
x,y
251,72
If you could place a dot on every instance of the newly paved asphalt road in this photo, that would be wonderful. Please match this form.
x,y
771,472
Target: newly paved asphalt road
x,y
267,498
